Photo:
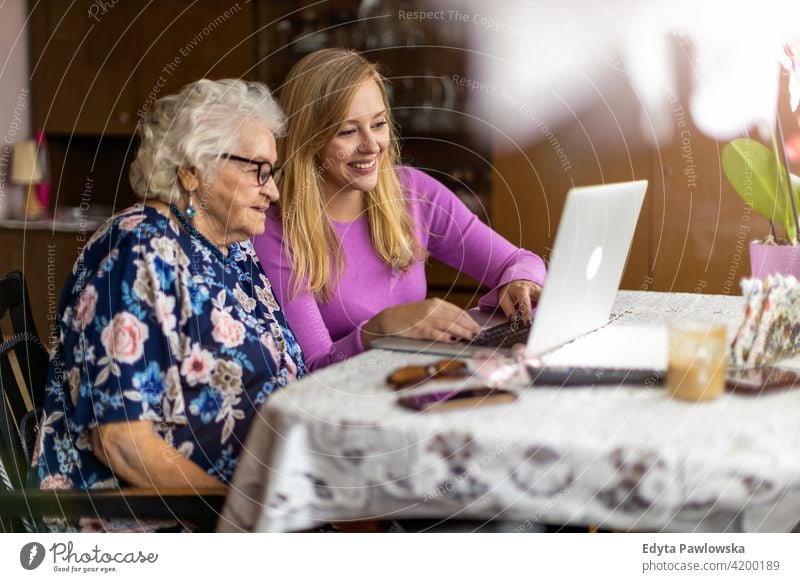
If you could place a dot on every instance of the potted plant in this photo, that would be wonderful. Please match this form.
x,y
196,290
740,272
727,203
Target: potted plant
x,y
761,180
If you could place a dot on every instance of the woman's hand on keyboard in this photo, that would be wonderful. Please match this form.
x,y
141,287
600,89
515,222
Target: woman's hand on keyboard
x,y
432,319
517,297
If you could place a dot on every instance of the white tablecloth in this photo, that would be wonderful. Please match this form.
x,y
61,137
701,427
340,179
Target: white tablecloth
x,y
336,446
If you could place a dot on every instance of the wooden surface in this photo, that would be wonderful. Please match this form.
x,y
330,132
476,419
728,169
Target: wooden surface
x,y
693,231
201,507
92,74
95,66
94,69
46,260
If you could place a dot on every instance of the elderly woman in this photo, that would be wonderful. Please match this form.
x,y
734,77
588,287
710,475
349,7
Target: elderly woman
x,y
169,335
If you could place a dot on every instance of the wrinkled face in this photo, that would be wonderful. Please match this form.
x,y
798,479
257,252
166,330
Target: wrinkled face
x,y
231,204
352,157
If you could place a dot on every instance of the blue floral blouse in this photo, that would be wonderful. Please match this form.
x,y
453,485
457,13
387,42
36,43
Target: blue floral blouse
x,y
152,326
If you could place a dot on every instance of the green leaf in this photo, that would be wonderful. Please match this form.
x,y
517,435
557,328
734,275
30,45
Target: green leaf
x,y
791,224
756,175
795,182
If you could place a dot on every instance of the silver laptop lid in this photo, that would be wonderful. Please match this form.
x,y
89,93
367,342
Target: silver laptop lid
x,y
586,265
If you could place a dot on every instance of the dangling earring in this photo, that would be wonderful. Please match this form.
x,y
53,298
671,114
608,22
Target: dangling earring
x,y
191,211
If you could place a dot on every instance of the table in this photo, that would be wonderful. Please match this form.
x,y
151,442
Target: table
x,y
336,446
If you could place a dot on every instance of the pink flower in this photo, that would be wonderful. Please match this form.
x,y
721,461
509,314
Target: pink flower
x,y
198,366
227,331
164,308
131,222
268,342
84,310
291,368
123,339
56,482
793,147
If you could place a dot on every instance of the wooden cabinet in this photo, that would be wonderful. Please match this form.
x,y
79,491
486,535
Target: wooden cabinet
x,y
82,69
428,108
701,229
530,187
96,65
182,42
45,259
694,230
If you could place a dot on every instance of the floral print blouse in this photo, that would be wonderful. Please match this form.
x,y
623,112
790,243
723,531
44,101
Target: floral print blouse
x,y
152,326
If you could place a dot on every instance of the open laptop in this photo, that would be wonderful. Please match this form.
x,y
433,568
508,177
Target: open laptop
x,y
584,273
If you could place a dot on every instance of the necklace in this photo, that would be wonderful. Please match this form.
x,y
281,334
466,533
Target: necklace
x,y
194,233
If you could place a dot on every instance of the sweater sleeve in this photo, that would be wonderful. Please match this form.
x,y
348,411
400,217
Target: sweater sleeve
x,y
301,312
461,240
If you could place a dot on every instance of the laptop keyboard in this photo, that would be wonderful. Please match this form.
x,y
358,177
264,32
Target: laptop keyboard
x,y
503,335
589,376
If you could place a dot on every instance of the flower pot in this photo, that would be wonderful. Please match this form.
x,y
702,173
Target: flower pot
x,y
770,259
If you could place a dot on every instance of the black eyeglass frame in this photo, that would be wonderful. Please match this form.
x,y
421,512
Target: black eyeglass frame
x,y
275,172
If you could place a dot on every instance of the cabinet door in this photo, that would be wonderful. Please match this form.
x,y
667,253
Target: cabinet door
x,y
97,65
183,42
83,67
701,229
46,260
530,186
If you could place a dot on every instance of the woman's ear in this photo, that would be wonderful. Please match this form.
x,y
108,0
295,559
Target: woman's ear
x,y
189,179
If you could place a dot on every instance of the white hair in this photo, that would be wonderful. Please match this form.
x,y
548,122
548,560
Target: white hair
x,y
192,128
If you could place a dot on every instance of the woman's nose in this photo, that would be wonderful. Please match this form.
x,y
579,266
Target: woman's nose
x,y
370,146
270,190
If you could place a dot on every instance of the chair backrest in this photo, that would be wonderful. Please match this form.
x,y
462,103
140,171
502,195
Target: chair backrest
x,y
21,398
23,373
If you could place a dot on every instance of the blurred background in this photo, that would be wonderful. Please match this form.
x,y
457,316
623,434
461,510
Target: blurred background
x,y
77,75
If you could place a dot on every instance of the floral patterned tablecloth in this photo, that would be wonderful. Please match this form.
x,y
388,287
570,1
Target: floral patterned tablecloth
x,y
336,446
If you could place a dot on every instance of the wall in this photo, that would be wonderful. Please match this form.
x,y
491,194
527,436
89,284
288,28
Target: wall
x,y
694,230
15,109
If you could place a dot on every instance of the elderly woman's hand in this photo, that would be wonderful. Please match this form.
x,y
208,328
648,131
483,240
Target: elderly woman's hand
x,y
138,456
517,297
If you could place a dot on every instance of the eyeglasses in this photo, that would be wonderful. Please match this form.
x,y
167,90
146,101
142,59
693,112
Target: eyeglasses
x,y
264,170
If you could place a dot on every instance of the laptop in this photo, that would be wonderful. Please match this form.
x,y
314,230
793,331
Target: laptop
x,y
589,255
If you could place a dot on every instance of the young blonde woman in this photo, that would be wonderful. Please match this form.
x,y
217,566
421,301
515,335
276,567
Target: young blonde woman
x,y
346,250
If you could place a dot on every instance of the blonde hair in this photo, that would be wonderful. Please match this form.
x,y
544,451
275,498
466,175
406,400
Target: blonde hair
x,y
192,128
316,99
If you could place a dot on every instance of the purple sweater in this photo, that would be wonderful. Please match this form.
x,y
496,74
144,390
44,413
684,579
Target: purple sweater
x,y
331,332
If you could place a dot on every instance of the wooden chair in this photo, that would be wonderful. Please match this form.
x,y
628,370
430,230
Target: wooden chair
x,y
23,372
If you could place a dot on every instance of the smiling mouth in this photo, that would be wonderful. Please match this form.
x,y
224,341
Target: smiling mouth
x,y
363,165
261,209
